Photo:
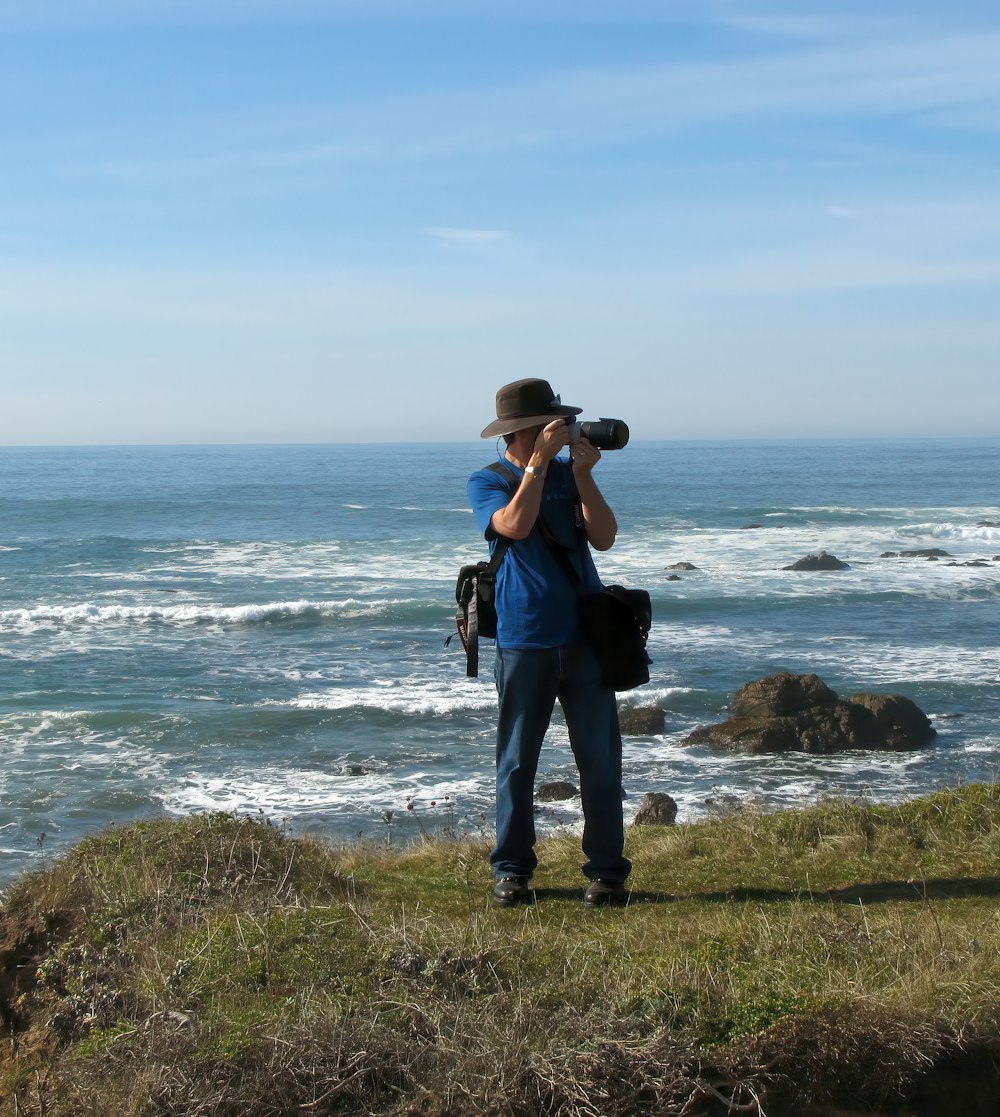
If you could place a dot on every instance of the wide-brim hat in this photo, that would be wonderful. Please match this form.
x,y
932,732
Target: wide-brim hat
x,y
526,403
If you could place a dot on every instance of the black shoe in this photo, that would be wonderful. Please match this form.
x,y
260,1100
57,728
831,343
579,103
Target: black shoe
x,y
512,890
603,892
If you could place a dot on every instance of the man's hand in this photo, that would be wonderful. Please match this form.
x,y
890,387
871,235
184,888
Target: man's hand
x,y
598,519
551,439
585,455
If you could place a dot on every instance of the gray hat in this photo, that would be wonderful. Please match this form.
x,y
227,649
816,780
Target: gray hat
x,y
526,403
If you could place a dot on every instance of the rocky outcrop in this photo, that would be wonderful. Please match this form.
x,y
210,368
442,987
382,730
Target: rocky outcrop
x,y
656,809
641,721
821,561
800,713
682,566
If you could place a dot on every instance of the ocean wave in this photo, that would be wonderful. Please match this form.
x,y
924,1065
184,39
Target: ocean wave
x,y
965,533
85,613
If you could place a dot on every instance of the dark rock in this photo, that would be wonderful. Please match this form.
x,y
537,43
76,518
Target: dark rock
x,y
988,523
751,527
778,695
800,713
641,721
354,770
683,566
838,728
656,809
822,561
674,578
901,722
927,553
821,729
752,735
555,791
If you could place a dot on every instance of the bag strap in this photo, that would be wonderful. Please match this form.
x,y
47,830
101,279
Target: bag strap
x,y
468,629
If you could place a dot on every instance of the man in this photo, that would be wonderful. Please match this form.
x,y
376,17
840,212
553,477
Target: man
x,y
550,510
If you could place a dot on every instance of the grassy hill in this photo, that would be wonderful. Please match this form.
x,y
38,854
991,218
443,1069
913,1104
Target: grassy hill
x,y
843,958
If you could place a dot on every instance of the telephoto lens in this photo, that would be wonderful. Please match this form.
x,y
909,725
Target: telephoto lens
x,y
605,434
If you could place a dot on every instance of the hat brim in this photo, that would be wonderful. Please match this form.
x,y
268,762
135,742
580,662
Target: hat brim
x,y
512,426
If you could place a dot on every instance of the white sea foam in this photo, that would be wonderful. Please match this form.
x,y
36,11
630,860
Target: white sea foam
x,y
293,792
889,662
411,697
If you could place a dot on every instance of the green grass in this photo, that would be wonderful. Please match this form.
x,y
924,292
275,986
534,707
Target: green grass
x,y
218,966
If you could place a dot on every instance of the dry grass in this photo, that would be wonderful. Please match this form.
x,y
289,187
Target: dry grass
x,y
808,961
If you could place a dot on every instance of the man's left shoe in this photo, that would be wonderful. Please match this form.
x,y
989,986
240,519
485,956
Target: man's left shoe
x,y
605,892
509,891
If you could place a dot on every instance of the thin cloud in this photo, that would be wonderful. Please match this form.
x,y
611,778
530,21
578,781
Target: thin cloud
x,y
452,234
932,79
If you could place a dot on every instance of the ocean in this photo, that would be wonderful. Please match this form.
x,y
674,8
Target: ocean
x,y
261,629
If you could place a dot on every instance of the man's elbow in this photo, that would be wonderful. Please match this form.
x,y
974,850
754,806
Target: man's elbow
x,y
510,530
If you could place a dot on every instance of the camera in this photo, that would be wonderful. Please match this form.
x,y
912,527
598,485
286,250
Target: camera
x,y
605,434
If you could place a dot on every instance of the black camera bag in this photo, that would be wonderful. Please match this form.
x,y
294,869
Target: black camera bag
x,y
616,622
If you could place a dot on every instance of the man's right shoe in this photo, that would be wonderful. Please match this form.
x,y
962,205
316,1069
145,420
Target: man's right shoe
x,y
511,890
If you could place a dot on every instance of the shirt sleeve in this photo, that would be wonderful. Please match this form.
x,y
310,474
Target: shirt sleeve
x,y
488,492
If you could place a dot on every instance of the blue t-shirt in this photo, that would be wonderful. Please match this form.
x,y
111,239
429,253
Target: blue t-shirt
x,y
535,600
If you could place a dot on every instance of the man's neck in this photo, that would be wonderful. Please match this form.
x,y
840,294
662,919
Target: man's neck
x,y
520,450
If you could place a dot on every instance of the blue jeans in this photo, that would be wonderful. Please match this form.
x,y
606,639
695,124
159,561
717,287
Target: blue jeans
x,y
528,684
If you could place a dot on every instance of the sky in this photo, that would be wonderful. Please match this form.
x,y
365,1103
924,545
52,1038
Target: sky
x,y
241,221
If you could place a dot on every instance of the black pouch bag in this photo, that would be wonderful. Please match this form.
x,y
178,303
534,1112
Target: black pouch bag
x,y
616,622
475,594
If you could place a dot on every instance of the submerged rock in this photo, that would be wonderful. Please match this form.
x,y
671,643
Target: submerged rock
x,y
926,552
800,713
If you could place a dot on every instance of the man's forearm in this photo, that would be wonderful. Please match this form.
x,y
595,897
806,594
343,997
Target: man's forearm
x,y
516,519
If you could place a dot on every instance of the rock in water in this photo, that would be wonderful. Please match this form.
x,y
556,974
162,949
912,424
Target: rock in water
x,y
800,713
822,561
902,723
656,809
555,791
641,721
782,694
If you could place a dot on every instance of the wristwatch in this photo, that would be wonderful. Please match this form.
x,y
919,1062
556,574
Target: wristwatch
x,y
534,471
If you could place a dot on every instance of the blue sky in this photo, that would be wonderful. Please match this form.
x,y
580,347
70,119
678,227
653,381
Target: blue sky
x,y
352,220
